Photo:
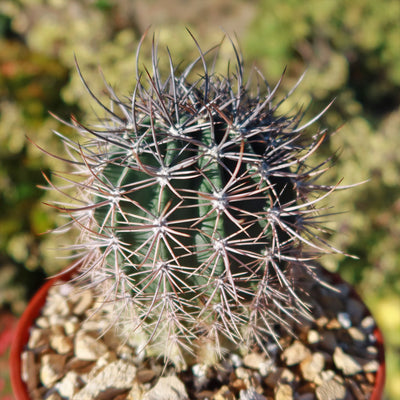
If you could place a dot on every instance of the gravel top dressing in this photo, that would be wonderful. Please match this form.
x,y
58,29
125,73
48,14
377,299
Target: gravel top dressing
x,y
332,357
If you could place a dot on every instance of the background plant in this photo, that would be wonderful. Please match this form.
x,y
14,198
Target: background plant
x,y
351,51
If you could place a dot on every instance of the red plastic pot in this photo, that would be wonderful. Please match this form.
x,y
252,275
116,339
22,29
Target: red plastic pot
x,y
37,302
22,334
377,393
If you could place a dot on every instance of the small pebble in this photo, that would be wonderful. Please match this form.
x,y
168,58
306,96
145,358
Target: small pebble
x,y
102,362
328,341
58,306
69,384
258,362
115,378
239,384
283,375
287,376
78,365
126,352
83,302
355,309
295,353
145,375
224,393
87,347
284,392
313,336
371,366
199,370
30,370
273,377
250,394
38,338
61,344
57,330
331,390
242,373
346,363
71,326
368,324
51,369
357,334
371,338
167,388
372,351
253,360
272,349
56,320
333,324
322,321
312,366
42,322
370,377
267,366
324,376
136,392
236,360
344,320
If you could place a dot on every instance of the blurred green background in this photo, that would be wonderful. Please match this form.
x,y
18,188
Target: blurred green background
x,y
351,51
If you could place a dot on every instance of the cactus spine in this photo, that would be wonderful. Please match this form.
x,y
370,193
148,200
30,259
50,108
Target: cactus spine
x,y
194,210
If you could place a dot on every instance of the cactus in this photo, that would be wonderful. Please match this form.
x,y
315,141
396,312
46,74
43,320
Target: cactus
x,y
196,210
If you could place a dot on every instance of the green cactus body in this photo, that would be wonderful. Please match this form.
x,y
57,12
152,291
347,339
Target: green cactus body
x,y
195,212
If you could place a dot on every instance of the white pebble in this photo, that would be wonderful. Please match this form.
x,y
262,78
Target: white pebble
x,y
344,320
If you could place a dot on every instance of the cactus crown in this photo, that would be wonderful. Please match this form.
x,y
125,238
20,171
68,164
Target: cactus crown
x,y
193,203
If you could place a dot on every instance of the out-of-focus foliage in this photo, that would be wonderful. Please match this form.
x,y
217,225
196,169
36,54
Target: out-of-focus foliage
x,y
350,51
365,32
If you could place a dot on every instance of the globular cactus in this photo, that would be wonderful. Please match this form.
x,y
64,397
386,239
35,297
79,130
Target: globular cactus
x,y
193,202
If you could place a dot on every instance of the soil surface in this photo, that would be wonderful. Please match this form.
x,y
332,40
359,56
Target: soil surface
x,y
335,356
